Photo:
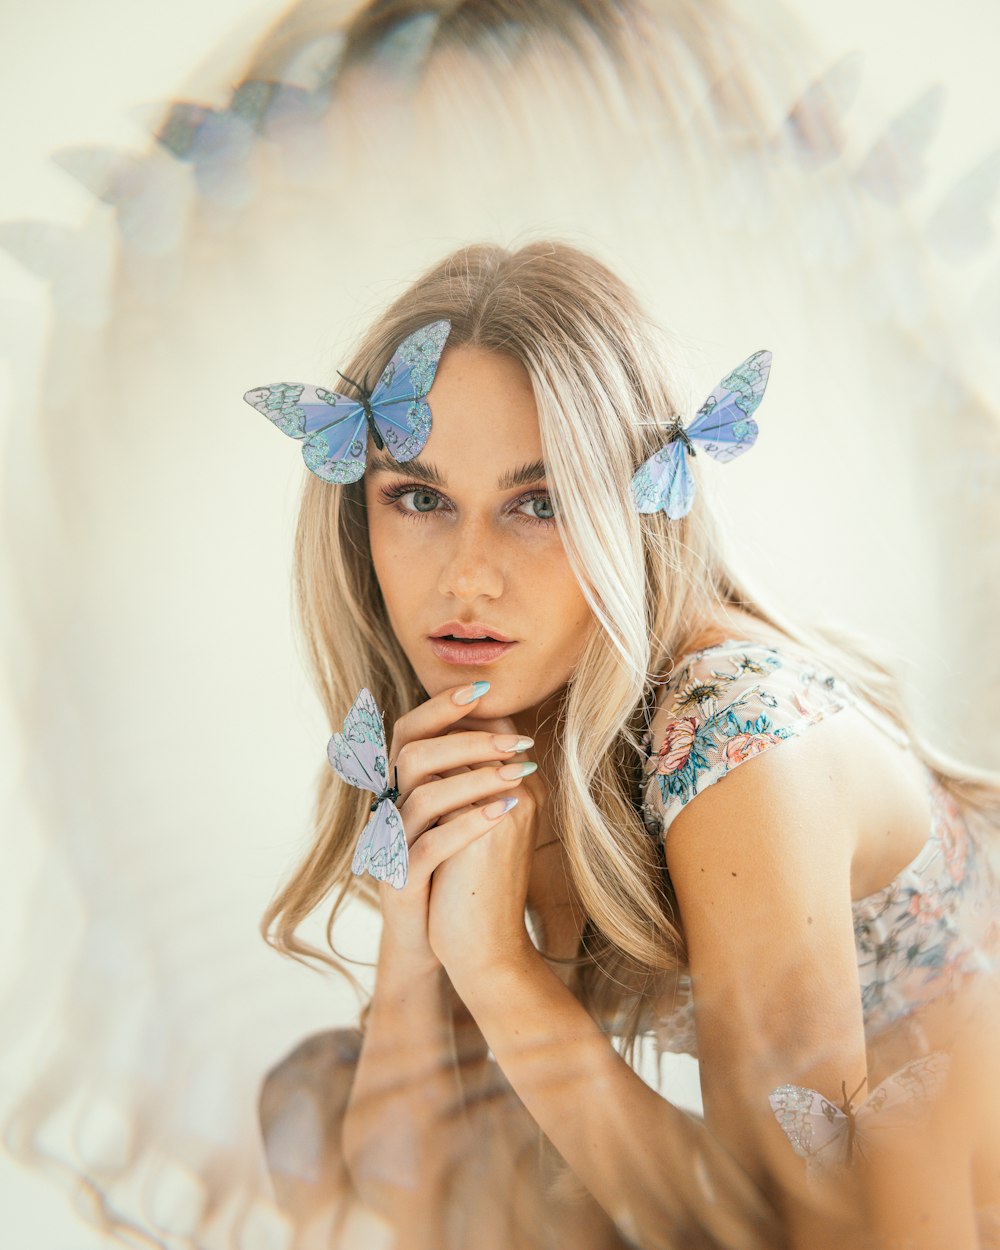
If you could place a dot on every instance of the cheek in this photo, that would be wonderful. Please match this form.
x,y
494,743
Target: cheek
x,y
400,562
384,555
558,588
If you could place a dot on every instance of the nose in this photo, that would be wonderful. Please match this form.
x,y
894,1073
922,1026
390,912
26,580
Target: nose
x,y
471,568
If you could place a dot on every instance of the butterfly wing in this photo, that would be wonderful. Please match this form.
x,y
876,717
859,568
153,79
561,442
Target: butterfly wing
x,y
358,755
382,849
899,1103
724,424
664,481
816,1128
819,1131
896,164
402,416
331,426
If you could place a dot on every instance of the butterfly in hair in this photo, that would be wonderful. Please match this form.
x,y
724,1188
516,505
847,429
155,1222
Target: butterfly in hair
x,y
723,426
359,756
333,426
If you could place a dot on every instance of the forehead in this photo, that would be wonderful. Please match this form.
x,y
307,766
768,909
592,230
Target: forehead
x,y
483,415
473,381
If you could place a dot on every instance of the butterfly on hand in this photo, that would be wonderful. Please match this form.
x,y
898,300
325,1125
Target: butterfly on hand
x,y
359,756
828,1136
334,428
723,426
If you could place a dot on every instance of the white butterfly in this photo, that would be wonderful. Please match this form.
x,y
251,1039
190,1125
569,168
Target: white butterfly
x,y
359,756
827,1136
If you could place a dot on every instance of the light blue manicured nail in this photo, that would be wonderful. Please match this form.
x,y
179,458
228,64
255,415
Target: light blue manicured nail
x,y
479,688
511,772
496,811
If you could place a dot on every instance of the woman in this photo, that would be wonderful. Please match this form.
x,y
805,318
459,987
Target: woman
x,y
820,921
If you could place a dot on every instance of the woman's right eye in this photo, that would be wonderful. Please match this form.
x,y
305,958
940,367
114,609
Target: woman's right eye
x,y
424,500
393,494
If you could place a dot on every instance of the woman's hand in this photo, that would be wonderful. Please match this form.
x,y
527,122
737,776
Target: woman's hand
x,y
478,894
449,786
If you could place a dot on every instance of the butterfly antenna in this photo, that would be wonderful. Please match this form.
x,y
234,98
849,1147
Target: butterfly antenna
x,y
848,1109
849,1102
360,386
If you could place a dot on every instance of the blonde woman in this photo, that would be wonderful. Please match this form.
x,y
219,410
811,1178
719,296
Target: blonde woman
x,y
820,921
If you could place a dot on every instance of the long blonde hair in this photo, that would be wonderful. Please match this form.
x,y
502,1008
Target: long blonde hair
x,y
599,369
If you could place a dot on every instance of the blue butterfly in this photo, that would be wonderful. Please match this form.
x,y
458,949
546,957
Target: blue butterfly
x,y
358,755
723,425
333,426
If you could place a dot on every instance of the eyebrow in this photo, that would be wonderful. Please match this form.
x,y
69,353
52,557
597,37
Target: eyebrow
x,y
523,475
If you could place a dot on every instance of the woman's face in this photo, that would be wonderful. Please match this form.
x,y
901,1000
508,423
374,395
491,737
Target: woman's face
x,y
465,533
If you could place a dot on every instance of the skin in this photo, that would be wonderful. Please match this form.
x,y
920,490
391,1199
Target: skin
x,y
470,549
479,552
818,823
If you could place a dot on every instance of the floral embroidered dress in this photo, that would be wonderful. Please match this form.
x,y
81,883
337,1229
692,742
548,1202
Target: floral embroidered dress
x,y
936,921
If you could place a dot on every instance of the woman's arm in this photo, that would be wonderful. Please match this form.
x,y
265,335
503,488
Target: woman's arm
x,y
761,866
405,1126
654,1170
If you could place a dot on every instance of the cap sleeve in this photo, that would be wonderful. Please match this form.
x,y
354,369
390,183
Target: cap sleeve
x,y
720,708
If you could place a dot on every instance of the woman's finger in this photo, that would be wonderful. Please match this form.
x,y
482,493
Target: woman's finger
x,y
434,802
422,759
451,836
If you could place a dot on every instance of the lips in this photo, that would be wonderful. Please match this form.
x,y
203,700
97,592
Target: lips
x,y
476,630
466,651
470,637
469,642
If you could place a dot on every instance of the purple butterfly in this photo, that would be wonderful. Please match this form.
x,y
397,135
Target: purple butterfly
x,y
334,427
359,756
828,1136
723,425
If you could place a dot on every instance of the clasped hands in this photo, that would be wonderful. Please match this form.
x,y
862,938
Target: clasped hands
x,y
463,906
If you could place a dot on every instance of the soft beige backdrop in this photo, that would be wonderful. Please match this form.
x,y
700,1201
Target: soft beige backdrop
x,y
160,741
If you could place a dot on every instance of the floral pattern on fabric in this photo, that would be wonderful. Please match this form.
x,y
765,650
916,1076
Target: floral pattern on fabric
x,y
918,936
726,709
932,924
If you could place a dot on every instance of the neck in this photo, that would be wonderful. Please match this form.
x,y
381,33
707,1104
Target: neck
x,y
541,723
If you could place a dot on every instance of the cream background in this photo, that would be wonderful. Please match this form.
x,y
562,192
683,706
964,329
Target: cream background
x,y
71,75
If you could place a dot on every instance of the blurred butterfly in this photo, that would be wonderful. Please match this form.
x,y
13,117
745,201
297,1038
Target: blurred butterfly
x,y
334,427
827,1136
358,755
723,425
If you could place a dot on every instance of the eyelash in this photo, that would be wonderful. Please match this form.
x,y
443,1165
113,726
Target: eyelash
x,y
391,493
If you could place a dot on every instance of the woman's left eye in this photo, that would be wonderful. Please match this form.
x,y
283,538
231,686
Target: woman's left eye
x,y
533,499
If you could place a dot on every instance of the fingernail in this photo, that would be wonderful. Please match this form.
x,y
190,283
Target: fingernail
x,y
468,693
511,742
499,808
511,772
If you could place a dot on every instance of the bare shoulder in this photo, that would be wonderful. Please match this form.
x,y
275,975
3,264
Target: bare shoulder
x,y
786,811
880,786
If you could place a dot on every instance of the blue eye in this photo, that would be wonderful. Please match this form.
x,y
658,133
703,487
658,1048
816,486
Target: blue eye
x,y
427,494
550,519
393,494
